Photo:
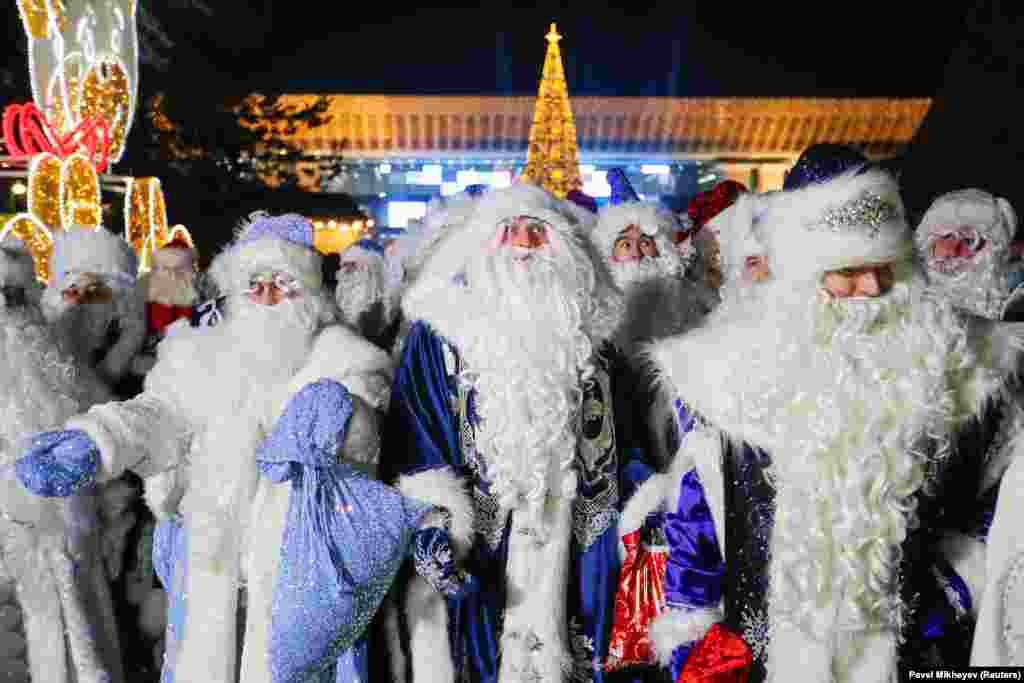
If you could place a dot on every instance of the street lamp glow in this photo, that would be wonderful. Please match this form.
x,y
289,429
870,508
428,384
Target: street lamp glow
x,y
19,188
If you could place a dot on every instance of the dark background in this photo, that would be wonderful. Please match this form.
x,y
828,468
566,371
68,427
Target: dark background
x,y
966,55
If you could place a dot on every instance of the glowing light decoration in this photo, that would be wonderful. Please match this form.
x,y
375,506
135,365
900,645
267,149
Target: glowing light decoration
x,y
44,192
27,132
80,202
145,219
36,237
181,231
83,62
552,160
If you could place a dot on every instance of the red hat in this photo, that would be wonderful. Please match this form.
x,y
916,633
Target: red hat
x,y
707,205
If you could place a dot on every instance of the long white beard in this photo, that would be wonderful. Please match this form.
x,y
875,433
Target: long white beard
x,y
850,411
170,287
81,328
356,294
628,274
246,363
525,353
40,388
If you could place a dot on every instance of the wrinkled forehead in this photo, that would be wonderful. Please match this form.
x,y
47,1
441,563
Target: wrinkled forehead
x,y
525,221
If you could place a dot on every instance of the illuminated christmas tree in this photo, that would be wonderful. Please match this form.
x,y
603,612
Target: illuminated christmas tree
x,y
553,158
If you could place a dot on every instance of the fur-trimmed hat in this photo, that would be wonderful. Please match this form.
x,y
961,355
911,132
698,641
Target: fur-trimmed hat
x,y
264,242
850,220
177,254
85,250
363,251
628,209
479,232
16,264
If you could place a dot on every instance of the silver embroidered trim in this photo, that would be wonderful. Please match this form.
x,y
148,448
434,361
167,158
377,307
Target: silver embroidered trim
x,y
865,214
951,593
1013,605
585,662
757,632
591,518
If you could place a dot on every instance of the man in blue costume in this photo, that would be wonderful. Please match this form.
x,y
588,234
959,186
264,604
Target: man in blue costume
x,y
825,401
966,242
501,387
274,546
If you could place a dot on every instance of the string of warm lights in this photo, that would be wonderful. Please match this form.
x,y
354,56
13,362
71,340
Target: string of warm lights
x,y
145,218
80,201
35,236
71,80
355,226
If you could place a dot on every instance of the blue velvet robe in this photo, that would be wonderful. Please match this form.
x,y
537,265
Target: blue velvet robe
x,y
430,425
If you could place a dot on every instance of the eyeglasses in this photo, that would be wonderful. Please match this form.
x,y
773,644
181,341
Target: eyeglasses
x,y
532,224
287,284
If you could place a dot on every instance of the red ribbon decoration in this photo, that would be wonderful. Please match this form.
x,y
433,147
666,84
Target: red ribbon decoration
x,y
720,657
707,205
28,132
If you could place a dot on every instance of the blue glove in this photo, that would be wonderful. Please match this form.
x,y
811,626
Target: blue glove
x,y
58,464
309,432
433,557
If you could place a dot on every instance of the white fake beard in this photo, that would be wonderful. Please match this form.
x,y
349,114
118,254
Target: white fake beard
x,y
40,388
170,287
850,421
660,307
81,328
628,274
356,294
254,353
978,285
525,353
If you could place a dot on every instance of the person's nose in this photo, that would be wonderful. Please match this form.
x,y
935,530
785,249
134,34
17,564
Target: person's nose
x,y
868,284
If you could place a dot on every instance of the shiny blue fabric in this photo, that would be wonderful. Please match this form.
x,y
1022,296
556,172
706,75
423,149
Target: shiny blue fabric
x,y
331,580
695,570
58,464
435,562
170,555
422,433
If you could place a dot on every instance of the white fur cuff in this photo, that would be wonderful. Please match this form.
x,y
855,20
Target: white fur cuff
x,y
675,627
110,466
443,488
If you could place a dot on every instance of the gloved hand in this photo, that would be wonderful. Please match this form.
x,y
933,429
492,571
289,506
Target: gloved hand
x,y
309,432
432,555
58,464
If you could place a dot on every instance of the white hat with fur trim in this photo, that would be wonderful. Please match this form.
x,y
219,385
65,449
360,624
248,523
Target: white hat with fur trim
x,y
84,250
175,255
269,243
477,234
853,219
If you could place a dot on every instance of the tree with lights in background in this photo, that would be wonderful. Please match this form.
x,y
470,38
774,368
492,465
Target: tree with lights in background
x,y
553,157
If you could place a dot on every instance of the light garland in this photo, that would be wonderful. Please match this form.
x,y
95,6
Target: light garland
x,y
36,237
145,218
80,201
44,191
78,72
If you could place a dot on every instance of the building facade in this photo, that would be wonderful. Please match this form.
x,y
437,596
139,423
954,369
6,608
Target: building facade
x,y
394,153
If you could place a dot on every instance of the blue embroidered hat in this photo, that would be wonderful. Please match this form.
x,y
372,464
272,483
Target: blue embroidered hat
x,y
622,191
289,227
822,162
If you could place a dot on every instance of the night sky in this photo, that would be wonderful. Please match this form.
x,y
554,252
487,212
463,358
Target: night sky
x,y
721,48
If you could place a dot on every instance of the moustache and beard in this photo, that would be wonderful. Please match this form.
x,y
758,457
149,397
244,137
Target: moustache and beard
x,y
82,329
42,387
857,390
525,354
361,298
170,287
232,377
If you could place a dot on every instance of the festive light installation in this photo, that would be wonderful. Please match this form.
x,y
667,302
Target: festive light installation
x,y
36,237
27,132
145,212
83,61
552,160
